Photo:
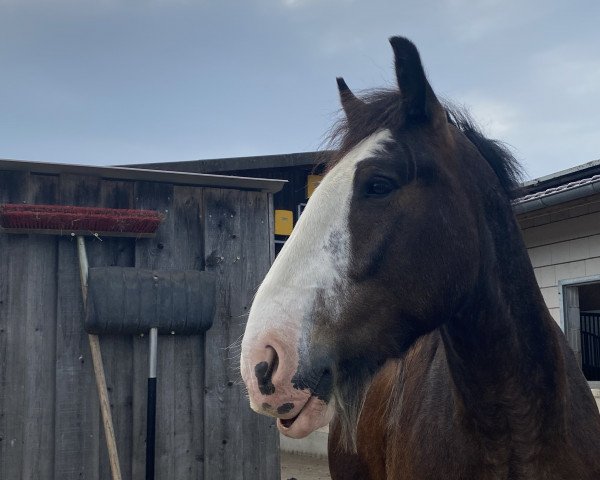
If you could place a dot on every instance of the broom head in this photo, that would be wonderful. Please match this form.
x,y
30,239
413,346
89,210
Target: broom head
x,y
65,220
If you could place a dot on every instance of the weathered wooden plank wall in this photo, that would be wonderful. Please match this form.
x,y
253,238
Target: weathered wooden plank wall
x,y
117,350
188,375
40,341
77,417
13,310
50,426
237,237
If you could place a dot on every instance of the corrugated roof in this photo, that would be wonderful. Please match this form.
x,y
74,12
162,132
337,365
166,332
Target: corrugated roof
x,y
558,195
561,188
577,172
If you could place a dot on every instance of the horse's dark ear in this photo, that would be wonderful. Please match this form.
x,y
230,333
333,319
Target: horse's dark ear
x,y
420,103
350,103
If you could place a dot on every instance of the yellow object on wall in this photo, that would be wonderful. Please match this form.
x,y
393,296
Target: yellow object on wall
x,y
284,222
312,183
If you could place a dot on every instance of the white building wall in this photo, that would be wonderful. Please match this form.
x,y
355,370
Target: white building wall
x,y
563,244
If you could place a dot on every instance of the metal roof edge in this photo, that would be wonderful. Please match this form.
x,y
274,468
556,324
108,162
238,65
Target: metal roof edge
x,y
562,173
581,190
241,163
139,174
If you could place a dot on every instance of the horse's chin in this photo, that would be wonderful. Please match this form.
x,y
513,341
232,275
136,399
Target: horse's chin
x,y
314,414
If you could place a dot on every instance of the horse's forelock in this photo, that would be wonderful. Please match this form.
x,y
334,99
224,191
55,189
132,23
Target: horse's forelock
x,y
383,109
378,109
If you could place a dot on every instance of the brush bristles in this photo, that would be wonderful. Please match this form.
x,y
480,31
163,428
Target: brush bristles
x,y
98,220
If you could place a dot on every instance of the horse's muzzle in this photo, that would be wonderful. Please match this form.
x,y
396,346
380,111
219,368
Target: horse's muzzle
x,y
281,386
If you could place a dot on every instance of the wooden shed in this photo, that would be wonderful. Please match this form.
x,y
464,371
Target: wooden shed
x,y
50,426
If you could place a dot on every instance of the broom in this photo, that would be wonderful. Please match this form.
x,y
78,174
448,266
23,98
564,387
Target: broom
x,y
82,221
66,220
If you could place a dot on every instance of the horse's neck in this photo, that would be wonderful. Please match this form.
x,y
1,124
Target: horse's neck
x,y
503,347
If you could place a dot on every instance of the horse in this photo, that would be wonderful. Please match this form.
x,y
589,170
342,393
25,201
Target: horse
x,y
404,309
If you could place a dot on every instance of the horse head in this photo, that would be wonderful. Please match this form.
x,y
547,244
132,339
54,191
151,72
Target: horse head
x,y
385,251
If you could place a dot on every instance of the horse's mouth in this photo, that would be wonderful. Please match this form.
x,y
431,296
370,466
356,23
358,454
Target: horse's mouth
x,y
288,422
314,414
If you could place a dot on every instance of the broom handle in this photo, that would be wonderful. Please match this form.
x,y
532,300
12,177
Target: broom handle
x,y
151,406
109,431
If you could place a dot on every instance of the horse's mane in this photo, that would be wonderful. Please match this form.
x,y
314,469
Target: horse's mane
x,y
383,109
505,165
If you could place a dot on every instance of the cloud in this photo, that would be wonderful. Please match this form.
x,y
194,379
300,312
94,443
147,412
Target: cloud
x,y
568,70
296,3
472,21
496,118
304,3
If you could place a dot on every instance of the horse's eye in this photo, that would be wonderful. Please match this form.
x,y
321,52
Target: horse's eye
x,y
379,187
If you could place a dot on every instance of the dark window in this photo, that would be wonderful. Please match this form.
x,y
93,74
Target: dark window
x,y
589,313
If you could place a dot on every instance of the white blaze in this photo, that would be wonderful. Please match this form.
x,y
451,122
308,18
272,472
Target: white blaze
x,y
313,260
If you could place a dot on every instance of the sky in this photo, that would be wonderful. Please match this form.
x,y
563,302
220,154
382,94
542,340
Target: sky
x,y
108,82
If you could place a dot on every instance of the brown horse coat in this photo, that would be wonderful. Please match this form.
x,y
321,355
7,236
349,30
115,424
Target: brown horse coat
x,y
413,427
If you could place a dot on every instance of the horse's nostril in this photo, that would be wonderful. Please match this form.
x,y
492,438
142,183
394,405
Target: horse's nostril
x,y
265,370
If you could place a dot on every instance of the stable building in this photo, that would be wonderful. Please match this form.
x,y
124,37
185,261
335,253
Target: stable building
x,y
559,215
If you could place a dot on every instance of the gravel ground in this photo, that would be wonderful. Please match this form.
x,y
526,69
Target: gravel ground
x,y
303,467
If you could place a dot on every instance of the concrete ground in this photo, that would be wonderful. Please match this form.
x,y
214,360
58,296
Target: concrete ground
x,y
303,467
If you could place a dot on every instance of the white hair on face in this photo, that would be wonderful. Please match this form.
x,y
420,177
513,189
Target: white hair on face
x,y
315,257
